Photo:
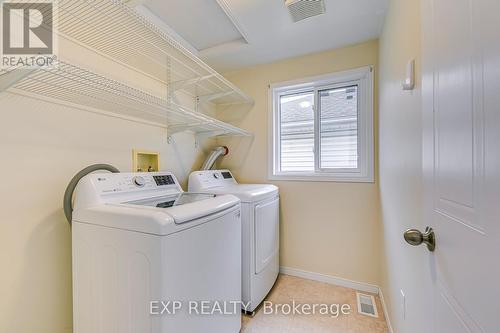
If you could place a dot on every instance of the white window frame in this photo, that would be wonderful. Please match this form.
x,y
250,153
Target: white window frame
x,y
363,78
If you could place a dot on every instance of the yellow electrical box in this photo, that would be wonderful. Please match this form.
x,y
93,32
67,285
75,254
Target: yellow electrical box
x,y
145,161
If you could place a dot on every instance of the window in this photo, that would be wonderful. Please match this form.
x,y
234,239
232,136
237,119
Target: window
x,y
322,128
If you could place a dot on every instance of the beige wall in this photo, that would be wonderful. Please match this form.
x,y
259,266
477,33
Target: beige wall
x,y
43,145
400,166
326,227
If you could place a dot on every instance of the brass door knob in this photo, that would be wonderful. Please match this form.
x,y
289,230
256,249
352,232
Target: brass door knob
x,y
415,237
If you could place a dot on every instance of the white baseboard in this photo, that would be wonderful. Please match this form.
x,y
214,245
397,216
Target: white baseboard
x,y
361,286
386,313
366,287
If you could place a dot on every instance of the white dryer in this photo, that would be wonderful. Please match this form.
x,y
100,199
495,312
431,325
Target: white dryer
x,y
260,230
138,240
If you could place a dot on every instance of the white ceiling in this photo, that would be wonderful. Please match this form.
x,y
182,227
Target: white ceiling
x,y
202,23
231,34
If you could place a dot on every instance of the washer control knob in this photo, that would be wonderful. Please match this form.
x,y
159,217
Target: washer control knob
x,y
139,181
216,176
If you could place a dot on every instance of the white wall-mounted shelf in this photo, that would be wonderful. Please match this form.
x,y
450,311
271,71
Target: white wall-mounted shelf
x,y
82,88
117,31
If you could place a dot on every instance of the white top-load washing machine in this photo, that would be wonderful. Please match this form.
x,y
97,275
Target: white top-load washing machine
x,y
260,230
146,256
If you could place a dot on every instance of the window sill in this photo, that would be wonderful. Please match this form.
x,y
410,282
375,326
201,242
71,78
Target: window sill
x,y
339,178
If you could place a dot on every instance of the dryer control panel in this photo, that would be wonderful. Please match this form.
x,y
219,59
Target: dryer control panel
x,y
211,178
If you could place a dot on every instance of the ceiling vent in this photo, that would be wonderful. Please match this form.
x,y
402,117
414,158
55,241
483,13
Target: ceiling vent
x,y
302,9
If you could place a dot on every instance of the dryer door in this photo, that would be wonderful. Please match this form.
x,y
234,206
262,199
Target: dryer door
x,y
266,233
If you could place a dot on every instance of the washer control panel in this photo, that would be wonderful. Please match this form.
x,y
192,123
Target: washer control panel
x,y
210,178
139,181
133,182
163,180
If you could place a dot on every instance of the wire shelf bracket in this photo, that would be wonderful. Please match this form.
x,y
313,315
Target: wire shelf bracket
x,y
180,85
208,98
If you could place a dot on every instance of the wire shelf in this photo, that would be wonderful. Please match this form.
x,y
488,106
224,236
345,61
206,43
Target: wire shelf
x,y
77,86
117,31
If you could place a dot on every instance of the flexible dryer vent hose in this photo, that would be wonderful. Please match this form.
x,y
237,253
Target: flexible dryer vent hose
x,y
214,155
68,194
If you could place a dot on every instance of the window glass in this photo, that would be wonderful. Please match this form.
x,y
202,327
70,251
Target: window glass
x,y
339,128
297,132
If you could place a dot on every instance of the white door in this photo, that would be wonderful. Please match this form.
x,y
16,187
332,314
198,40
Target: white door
x,y
461,95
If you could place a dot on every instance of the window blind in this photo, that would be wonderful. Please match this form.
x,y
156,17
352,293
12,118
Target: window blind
x,y
297,132
338,130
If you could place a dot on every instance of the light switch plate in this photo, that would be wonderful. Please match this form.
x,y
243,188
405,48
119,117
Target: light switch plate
x,y
409,81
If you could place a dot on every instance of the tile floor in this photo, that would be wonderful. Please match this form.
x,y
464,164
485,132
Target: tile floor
x,y
303,291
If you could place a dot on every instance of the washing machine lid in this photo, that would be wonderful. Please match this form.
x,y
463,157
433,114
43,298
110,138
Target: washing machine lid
x,y
158,216
247,192
186,207
168,201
